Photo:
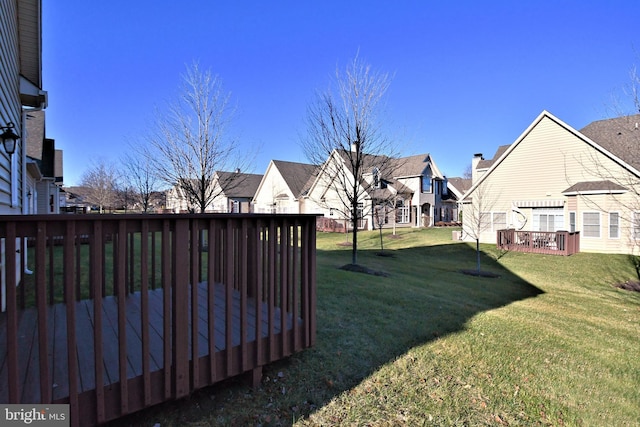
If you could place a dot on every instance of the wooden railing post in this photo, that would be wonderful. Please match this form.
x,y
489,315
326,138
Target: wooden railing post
x,y
181,308
115,354
41,303
12,314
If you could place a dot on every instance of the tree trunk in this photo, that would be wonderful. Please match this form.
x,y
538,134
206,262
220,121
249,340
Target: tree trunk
x,y
354,247
478,255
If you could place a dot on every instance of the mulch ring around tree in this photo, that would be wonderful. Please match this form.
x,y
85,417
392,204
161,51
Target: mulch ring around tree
x,y
629,286
480,273
357,268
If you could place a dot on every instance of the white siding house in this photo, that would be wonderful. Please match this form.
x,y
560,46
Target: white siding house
x,y
283,187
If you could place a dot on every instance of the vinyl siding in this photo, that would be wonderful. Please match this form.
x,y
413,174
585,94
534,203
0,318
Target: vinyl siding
x,y
10,108
272,185
544,163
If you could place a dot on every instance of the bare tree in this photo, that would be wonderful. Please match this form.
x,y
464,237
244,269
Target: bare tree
x,y
476,216
141,180
99,184
467,173
191,142
344,126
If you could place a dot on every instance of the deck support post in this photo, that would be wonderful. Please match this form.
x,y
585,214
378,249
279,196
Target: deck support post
x,y
254,376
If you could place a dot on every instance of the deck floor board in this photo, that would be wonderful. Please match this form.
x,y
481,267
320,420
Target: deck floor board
x,y
85,318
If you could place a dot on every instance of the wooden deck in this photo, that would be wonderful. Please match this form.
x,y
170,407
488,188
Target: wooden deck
x,y
133,332
56,332
540,242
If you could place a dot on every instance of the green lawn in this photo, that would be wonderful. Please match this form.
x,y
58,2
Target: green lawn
x,y
549,342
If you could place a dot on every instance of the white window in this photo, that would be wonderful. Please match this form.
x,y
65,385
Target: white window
x,y
636,225
548,219
485,222
614,225
402,214
572,222
499,220
361,220
591,224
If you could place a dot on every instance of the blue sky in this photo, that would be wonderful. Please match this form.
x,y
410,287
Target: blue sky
x,y
468,75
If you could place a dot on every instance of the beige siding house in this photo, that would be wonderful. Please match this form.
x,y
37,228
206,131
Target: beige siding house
x,y
554,177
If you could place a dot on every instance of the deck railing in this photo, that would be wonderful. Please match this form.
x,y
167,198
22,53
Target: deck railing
x,y
541,242
121,312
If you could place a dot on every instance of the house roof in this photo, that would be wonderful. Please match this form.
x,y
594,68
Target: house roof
x,y
620,136
586,187
415,165
236,184
297,176
41,150
487,163
459,186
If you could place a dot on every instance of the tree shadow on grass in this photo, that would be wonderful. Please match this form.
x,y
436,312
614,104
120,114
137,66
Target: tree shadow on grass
x,y
363,322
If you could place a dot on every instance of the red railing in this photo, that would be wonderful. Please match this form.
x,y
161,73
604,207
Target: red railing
x,y
125,311
541,242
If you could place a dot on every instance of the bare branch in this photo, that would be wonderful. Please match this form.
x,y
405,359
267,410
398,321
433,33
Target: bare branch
x,y
190,142
344,133
99,184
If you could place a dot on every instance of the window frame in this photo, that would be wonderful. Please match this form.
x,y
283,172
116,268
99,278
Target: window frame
x,y
617,225
426,184
585,224
572,221
635,226
493,220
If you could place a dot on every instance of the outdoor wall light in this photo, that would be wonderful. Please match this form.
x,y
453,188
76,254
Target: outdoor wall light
x,y
9,138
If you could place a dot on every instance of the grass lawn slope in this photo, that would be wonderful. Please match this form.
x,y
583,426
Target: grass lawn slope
x,y
551,341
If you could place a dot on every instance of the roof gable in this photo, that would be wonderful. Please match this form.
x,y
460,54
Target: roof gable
x,y
417,165
458,186
296,175
499,158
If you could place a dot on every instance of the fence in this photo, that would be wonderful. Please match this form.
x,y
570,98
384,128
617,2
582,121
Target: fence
x,y
127,311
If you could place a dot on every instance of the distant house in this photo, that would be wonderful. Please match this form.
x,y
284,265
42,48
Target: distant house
x,y
457,187
231,192
554,177
44,168
283,187
236,191
426,187
405,191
